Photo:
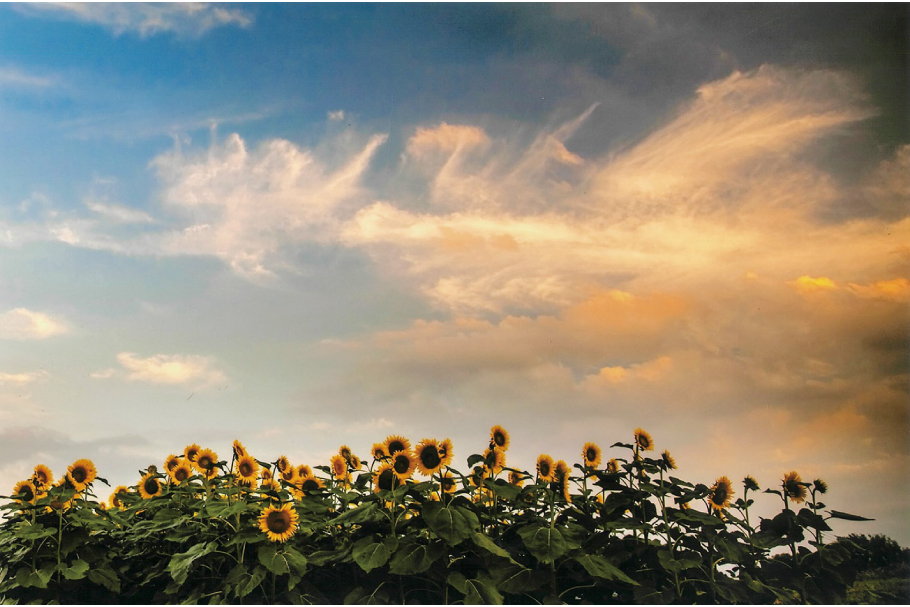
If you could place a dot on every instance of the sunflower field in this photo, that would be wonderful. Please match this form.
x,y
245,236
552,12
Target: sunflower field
x,y
405,526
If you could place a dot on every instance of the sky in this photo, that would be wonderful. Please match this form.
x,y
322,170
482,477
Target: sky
x,y
303,226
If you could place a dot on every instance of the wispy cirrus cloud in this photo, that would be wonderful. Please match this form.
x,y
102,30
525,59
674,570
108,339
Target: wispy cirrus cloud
x,y
13,77
145,18
175,369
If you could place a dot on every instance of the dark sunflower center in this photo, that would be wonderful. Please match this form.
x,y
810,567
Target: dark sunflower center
x,y
246,469
151,486
116,501
402,464
181,474
499,438
191,455
720,494
205,462
309,485
544,469
590,454
396,445
278,521
79,475
448,484
27,493
42,478
386,480
429,457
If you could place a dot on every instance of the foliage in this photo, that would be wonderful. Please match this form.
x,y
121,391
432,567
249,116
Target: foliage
x,y
209,531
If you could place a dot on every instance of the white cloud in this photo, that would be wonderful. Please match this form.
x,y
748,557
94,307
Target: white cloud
x,y
147,19
15,78
21,379
103,374
117,213
336,115
172,369
21,323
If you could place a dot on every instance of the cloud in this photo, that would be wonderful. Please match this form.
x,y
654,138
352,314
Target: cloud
x,y
147,19
336,116
807,284
117,213
12,77
897,289
21,379
170,369
21,323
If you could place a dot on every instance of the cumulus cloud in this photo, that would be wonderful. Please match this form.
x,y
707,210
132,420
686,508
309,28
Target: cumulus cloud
x,y
21,379
197,370
147,19
21,323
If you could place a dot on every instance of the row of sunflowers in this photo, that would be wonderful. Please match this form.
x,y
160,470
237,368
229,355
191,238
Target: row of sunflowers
x,y
405,525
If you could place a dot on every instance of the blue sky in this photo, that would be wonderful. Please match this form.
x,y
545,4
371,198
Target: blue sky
x,y
309,225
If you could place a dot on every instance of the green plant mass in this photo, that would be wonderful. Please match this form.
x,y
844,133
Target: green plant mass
x,y
407,527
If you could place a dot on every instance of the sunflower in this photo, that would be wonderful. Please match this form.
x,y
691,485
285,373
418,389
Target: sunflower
x,y
613,466
339,467
43,476
668,461
206,461
354,462
385,479
27,490
793,487
114,499
304,470
447,482
266,475
279,523
562,469
345,452
427,454
563,487
446,452
643,440
379,451
497,459
820,485
721,493
269,485
81,473
149,486
750,483
310,483
190,453
478,474
171,462
499,438
247,470
181,472
289,474
403,464
591,454
516,478
396,443
545,468
283,463
239,449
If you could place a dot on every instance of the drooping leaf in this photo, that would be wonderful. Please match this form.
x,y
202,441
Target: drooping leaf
x,y
451,522
600,567
181,563
848,517
412,557
370,554
75,570
544,542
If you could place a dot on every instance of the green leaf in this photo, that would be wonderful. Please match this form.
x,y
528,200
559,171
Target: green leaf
x,y
478,591
598,566
544,542
848,517
450,522
26,578
368,513
513,578
243,580
506,491
223,508
33,531
370,554
807,518
181,563
282,560
75,571
733,551
482,540
475,459
105,576
411,558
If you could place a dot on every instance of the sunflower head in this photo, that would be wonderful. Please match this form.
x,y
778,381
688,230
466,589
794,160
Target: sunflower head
x,y
379,451
478,475
304,470
591,454
667,460
820,485
446,451
427,455
613,466
396,443
279,523
447,482
495,459
239,449
403,464
499,438
149,486
181,472
206,462
266,475
81,473
750,483
354,462
793,487
545,468
562,470
643,440
115,498
339,467
171,462
43,476
345,452
721,493
516,478
385,479
247,470
310,483
190,452
283,463
26,490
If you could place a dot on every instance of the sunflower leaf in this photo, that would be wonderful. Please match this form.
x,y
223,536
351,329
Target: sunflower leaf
x,y
34,531
848,517
475,459
181,563
513,578
544,542
74,571
600,567
370,554
450,522
366,513
506,491
411,558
